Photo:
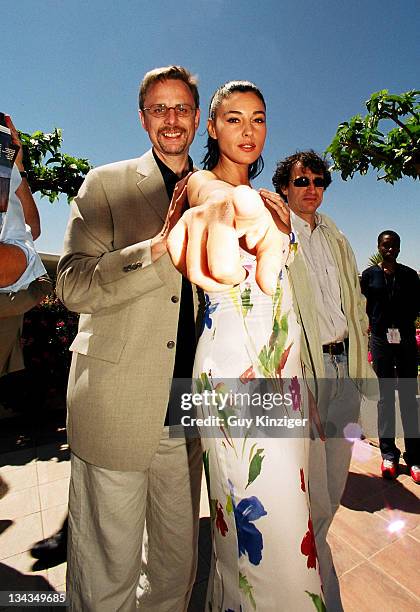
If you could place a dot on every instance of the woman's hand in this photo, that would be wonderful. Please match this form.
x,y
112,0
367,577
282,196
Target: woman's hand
x,y
204,244
276,203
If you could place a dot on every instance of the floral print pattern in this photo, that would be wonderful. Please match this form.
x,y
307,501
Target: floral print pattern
x,y
264,549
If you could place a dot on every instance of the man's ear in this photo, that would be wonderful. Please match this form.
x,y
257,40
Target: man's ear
x,y
197,119
142,119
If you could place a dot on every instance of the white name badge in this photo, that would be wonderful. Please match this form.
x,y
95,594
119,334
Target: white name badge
x,y
393,335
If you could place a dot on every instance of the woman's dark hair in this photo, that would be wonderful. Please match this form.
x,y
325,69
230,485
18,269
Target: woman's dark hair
x,y
309,159
213,152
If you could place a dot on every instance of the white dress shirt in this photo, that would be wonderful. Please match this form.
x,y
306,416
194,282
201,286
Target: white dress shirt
x,y
323,277
13,230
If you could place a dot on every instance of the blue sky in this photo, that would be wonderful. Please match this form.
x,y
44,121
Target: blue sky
x,y
77,65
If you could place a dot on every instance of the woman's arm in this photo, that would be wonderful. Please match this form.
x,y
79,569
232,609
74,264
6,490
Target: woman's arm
x,y
13,264
204,244
23,192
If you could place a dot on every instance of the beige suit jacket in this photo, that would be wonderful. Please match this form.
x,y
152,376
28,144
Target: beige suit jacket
x,y
124,352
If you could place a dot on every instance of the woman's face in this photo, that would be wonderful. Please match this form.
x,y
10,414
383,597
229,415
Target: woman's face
x,y
239,127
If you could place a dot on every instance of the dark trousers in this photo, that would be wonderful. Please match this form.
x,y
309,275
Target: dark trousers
x,y
396,367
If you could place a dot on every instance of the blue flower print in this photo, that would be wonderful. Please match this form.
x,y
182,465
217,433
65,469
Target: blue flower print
x,y
208,310
250,539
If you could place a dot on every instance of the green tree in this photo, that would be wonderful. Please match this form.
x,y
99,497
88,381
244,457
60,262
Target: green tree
x,y
358,143
375,259
50,171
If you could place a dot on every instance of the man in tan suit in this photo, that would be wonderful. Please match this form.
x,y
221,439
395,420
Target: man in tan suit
x,y
125,468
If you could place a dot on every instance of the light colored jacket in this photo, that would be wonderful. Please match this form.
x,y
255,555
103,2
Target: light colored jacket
x,y
353,304
124,352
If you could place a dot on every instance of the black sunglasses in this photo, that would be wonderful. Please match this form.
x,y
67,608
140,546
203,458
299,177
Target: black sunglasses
x,y
305,181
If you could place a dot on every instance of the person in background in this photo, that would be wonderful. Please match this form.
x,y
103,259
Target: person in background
x,y
331,311
392,291
23,283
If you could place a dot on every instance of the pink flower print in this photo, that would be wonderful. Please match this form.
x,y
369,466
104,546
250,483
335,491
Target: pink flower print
x,y
248,375
308,547
295,391
220,520
302,480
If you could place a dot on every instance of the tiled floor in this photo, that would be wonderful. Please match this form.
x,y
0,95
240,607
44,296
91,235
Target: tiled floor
x,y
375,536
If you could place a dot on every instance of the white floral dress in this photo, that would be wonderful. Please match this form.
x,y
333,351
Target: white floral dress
x,y
264,549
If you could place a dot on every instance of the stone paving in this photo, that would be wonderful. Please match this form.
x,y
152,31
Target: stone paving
x,y
375,536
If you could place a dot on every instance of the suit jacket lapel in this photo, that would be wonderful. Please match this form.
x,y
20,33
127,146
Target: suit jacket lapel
x,y
151,184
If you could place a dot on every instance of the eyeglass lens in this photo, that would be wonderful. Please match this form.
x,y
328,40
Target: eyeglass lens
x,y
304,181
161,110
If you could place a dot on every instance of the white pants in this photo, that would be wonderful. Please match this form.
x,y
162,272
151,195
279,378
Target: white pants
x,y
107,513
329,461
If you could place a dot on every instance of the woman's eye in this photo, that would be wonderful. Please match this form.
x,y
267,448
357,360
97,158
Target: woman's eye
x,y
232,120
260,120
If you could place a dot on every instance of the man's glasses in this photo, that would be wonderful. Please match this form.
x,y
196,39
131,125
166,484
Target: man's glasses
x,y
305,181
161,110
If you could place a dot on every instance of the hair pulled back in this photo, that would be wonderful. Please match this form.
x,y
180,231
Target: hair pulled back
x,y
212,155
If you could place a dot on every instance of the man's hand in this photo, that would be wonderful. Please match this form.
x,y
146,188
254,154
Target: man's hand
x,y
159,242
282,212
204,244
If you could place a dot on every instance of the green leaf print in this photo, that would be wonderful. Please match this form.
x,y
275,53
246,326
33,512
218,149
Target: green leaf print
x,y
318,603
255,466
274,333
229,504
247,589
205,381
264,359
247,305
251,452
278,294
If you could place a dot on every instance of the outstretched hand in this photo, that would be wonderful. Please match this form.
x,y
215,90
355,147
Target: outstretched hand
x,y
204,244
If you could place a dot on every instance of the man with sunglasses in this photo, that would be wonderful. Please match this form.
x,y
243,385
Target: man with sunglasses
x,y
136,311
332,314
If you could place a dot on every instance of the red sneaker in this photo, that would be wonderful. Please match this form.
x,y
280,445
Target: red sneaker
x,y
415,473
389,469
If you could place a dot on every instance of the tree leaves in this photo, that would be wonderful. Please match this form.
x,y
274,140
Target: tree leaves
x,y
49,171
358,143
